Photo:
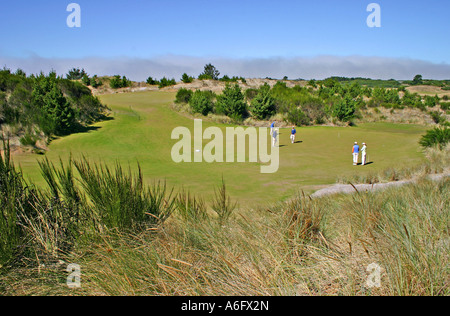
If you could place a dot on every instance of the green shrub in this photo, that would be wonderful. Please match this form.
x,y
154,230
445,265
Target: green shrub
x,y
204,77
56,116
152,81
437,117
183,95
186,78
231,102
86,80
445,106
95,82
297,117
165,82
431,101
263,105
345,109
411,99
250,94
226,78
117,82
437,137
202,102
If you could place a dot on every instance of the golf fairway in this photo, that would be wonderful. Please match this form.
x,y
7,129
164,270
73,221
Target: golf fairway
x,y
141,129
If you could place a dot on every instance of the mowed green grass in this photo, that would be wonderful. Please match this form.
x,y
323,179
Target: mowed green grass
x,y
141,133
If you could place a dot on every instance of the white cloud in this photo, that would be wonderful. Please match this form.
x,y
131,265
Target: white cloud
x,y
319,67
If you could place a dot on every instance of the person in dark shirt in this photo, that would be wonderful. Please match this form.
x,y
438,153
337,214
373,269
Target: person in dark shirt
x,y
293,132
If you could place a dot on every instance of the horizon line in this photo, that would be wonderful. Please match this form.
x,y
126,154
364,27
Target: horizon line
x,y
301,67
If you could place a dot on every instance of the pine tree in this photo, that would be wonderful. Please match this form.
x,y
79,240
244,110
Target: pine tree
x,y
231,102
56,114
263,105
345,109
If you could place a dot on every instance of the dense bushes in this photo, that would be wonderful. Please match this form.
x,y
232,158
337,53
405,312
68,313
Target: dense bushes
x,y
231,102
117,82
345,109
94,82
164,82
57,116
186,78
202,102
46,103
334,99
263,104
183,95
296,116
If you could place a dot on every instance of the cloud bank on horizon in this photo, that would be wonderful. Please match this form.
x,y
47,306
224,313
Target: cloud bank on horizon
x,y
171,66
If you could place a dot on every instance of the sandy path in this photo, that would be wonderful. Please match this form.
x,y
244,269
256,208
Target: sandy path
x,y
347,188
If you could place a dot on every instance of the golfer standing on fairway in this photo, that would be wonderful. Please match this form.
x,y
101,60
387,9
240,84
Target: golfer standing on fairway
x,y
274,135
355,152
364,154
293,132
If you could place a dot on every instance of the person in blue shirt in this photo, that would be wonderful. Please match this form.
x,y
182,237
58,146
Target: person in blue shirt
x,y
355,152
272,127
293,132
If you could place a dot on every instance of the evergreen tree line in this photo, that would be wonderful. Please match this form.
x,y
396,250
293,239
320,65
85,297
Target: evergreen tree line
x,y
210,72
46,104
315,103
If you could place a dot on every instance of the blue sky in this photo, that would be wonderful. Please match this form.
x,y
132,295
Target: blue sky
x,y
224,29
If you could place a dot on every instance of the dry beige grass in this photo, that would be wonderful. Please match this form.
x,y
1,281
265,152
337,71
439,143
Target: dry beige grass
x,y
400,116
428,90
213,85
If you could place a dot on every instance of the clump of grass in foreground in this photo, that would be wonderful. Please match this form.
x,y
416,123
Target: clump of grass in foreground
x,y
406,232
120,199
12,191
190,207
48,223
222,204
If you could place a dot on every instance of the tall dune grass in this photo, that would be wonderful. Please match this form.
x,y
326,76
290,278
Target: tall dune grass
x,y
302,247
130,239
12,191
96,200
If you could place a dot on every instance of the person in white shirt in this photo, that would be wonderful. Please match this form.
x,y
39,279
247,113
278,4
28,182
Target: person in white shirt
x,y
274,136
364,154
